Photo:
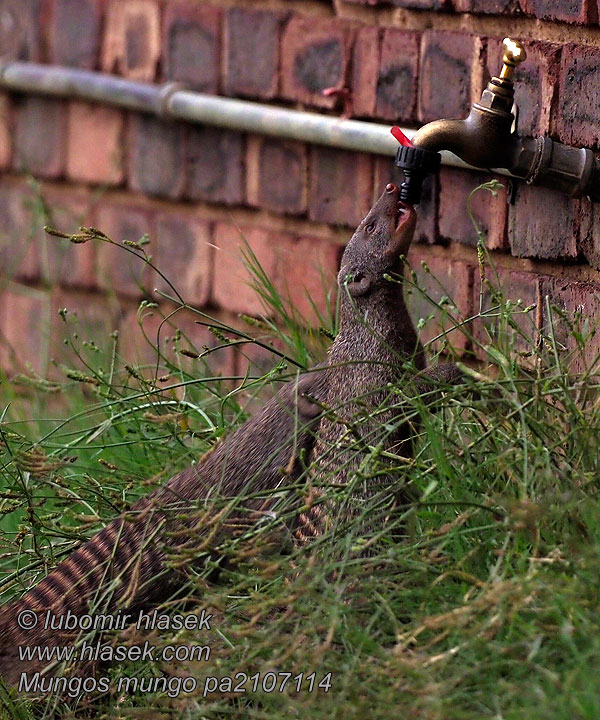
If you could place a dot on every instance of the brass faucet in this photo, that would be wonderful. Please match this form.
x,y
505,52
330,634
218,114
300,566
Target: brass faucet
x,y
487,139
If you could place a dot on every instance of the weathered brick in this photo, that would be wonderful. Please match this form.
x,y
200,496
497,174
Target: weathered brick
x,y
397,79
424,4
88,318
516,286
156,156
40,153
26,333
446,282
579,309
543,224
19,249
340,185
365,70
256,361
571,11
191,45
27,252
5,132
451,74
536,86
251,52
141,335
578,116
231,286
308,269
74,33
183,253
118,270
71,265
215,159
427,217
589,232
132,39
490,7
276,173
489,212
95,144
315,56
20,30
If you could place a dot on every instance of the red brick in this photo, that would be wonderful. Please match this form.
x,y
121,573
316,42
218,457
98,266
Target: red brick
x,y
571,11
573,298
191,45
543,224
277,174
71,265
513,285
255,361
251,52
444,278
232,280
365,71
489,212
340,185
427,214
397,79
19,246
5,132
20,30
308,271
315,56
215,165
578,116
118,270
74,33
40,153
589,232
89,318
132,39
490,7
26,331
140,336
424,4
536,84
95,144
156,156
451,74
217,358
183,253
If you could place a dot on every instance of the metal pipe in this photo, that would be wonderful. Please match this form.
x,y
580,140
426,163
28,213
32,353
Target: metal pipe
x,y
171,101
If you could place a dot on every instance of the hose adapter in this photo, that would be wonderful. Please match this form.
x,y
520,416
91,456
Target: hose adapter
x,y
416,163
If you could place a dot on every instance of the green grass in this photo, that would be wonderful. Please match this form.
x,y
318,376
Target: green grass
x,y
483,604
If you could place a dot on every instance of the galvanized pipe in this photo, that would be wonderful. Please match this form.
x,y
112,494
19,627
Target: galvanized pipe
x,y
171,101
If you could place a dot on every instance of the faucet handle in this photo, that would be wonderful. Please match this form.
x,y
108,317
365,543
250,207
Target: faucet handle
x,y
513,54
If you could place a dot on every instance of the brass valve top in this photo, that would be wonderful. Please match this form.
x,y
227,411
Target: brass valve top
x,y
513,54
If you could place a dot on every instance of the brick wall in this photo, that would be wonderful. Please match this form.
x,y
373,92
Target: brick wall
x,y
198,190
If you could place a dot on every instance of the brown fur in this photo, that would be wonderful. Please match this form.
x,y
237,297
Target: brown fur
x,y
127,563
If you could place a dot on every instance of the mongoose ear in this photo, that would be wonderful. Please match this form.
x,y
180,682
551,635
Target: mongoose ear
x,y
358,285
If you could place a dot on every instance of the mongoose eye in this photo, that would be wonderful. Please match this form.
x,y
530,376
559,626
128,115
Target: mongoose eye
x,y
370,227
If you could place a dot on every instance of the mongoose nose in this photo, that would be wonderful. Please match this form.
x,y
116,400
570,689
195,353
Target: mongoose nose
x,y
390,187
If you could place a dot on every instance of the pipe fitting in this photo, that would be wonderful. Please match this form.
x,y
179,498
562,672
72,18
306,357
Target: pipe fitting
x,y
486,139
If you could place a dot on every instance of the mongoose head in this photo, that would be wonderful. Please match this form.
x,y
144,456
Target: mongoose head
x,y
378,244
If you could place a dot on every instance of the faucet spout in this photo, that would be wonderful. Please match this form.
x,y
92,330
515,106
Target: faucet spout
x,y
486,139
482,139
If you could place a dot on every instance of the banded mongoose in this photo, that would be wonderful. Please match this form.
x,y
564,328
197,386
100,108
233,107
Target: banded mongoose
x,y
126,563
371,356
